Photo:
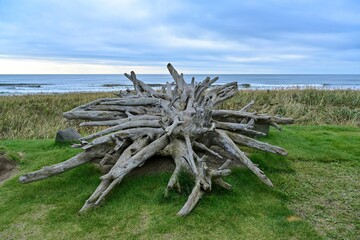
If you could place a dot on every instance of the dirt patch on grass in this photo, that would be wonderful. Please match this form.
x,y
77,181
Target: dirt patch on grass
x,y
7,168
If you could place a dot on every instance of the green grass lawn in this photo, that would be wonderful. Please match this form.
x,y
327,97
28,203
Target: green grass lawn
x,y
315,195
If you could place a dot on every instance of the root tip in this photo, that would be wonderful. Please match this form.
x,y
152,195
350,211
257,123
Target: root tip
x,y
23,179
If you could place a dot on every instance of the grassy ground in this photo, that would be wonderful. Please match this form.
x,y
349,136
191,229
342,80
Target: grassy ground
x,y
315,196
40,116
307,107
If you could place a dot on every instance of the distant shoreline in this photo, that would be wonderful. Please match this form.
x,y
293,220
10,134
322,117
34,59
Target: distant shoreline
x,y
51,84
3,94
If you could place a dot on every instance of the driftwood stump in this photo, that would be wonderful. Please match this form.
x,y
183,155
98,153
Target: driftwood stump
x,y
181,122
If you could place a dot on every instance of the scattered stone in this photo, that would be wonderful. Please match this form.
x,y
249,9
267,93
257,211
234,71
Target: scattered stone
x,y
67,135
264,128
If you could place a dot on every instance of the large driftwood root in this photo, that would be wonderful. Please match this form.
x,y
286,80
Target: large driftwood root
x,y
181,122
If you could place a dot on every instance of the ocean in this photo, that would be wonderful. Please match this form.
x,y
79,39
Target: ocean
x,y
65,83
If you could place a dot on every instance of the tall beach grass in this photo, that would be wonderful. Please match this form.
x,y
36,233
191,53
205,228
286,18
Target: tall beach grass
x,y
307,106
40,116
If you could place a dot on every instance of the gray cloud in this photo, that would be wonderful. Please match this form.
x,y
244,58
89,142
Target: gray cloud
x,y
226,36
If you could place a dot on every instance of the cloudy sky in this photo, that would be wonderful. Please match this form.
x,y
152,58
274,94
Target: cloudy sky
x,y
115,36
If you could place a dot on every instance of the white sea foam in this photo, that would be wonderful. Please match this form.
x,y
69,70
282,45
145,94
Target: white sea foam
x,y
47,84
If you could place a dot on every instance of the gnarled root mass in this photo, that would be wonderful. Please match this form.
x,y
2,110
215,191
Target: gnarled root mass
x,y
181,122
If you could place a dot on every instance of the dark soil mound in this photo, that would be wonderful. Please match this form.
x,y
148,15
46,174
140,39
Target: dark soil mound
x,y
159,164
155,164
7,168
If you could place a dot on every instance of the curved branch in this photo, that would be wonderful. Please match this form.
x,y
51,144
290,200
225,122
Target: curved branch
x,y
192,200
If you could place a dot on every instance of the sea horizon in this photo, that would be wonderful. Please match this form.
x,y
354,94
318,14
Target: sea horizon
x,y
20,84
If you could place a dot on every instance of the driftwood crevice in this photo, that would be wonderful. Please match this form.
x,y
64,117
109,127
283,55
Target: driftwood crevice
x,y
179,121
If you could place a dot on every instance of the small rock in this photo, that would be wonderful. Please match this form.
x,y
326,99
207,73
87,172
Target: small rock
x,y
264,128
67,135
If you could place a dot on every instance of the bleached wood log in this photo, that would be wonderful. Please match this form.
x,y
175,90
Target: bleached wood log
x,y
179,122
225,141
141,156
94,115
193,199
179,79
239,114
203,147
134,102
145,88
108,107
253,143
128,133
61,167
178,151
117,122
244,128
125,125
247,106
95,102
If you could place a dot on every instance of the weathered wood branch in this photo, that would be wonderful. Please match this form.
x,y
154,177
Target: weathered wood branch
x,y
94,115
180,122
253,143
125,120
225,141
125,125
61,167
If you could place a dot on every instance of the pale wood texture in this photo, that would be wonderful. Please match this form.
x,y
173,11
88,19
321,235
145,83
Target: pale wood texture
x,y
179,121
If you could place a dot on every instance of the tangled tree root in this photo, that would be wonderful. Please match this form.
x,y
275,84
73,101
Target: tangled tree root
x,y
181,122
